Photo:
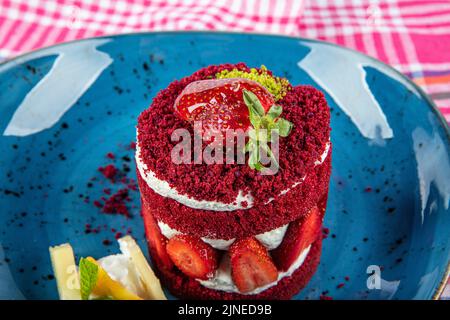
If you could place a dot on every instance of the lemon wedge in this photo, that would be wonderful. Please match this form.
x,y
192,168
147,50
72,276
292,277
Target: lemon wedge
x,y
65,270
107,287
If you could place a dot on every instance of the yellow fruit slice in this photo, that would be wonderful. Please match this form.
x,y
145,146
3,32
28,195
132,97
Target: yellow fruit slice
x,y
65,270
107,287
150,282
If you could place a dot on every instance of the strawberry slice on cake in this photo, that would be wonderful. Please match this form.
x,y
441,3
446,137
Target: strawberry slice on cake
x,y
192,256
156,241
299,236
251,265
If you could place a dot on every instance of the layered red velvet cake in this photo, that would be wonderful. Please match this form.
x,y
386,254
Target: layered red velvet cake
x,y
235,230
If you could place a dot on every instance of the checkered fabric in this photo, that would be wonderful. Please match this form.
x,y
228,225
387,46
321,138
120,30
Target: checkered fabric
x,y
411,35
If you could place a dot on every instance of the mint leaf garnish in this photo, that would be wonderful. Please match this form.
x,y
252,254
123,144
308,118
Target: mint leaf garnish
x,y
261,133
248,146
274,112
88,277
284,127
253,103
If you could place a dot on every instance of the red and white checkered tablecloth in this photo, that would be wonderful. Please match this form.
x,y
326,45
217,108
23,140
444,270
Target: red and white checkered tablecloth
x,y
411,35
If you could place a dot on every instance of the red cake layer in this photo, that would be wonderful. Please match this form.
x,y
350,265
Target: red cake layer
x,y
184,287
304,106
241,223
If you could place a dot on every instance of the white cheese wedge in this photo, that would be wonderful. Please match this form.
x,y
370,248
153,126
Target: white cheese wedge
x,y
66,274
150,282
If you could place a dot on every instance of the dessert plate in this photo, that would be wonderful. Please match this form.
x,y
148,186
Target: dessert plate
x,y
69,111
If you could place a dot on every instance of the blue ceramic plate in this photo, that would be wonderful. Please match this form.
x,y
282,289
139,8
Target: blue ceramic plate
x,y
64,108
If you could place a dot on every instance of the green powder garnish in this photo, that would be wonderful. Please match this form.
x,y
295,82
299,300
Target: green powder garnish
x,y
277,86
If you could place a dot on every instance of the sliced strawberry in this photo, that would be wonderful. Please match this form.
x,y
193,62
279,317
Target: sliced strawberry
x,y
219,104
251,265
156,241
299,235
192,256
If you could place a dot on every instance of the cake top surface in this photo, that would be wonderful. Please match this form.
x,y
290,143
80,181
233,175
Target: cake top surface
x,y
304,106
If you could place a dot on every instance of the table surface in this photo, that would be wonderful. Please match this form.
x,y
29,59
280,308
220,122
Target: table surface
x,y
413,36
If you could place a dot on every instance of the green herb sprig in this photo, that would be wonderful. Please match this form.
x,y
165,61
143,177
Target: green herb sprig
x,y
88,277
262,126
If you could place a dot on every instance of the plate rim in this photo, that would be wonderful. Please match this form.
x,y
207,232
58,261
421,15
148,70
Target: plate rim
x,y
20,58
17,59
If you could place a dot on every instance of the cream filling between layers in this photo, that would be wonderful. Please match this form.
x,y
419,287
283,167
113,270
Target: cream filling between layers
x,y
163,188
242,201
270,239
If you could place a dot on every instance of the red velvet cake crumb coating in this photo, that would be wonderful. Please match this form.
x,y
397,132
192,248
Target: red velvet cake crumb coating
x,y
304,106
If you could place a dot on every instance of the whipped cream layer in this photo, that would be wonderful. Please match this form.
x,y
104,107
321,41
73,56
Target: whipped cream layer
x,y
242,201
163,188
270,239
223,281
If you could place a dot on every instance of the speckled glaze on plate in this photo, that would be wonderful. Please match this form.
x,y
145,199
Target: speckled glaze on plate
x,y
64,108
